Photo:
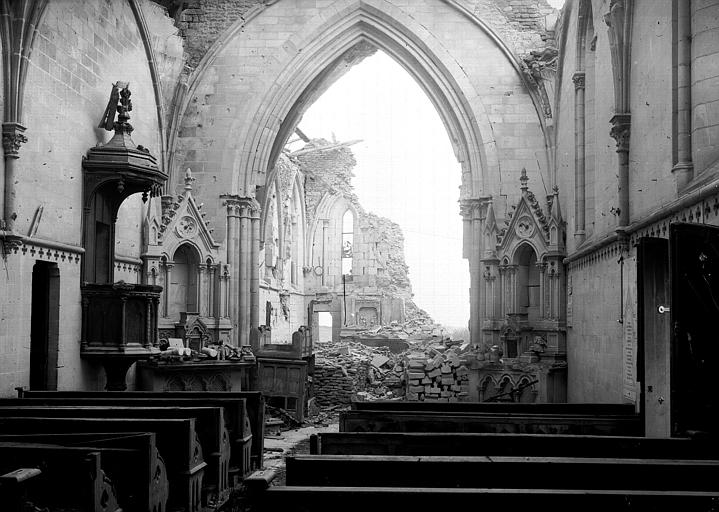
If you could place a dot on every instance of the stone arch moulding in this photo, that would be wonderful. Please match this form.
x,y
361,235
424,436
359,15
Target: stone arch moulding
x,y
417,51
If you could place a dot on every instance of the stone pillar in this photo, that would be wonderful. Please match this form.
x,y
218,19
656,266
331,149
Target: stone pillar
x,y
503,287
621,127
12,137
211,306
201,289
244,272
232,283
542,267
224,293
470,210
325,227
168,279
512,272
579,158
255,269
683,169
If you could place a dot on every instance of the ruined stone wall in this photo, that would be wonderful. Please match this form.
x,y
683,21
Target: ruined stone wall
x,y
524,25
201,22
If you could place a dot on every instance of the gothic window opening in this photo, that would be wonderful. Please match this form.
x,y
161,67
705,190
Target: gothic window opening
x,y
347,242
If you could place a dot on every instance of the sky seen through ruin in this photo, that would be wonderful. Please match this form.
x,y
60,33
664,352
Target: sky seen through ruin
x,y
406,171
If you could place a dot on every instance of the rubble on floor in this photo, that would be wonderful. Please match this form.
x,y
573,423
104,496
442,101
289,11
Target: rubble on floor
x,y
433,368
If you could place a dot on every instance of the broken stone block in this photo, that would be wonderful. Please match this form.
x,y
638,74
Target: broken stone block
x,y
416,375
379,361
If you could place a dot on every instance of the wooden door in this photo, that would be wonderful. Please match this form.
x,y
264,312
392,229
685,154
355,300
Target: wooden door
x,y
694,258
654,335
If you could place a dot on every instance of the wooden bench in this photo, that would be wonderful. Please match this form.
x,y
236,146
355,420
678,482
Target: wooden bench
x,y
495,407
390,421
130,459
503,472
176,440
15,487
532,445
255,408
210,427
63,469
235,412
388,499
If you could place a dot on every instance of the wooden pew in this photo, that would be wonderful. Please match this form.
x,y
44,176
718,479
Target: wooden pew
x,y
176,440
210,427
503,472
388,499
15,488
130,459
235,412
254,400
72,478
391,421
532,445
495,407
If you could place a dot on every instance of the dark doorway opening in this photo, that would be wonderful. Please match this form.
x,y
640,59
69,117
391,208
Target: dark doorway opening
x,y
44,326
694,259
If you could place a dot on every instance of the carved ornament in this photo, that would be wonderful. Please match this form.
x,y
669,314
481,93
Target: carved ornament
x,y
579,80
620,131
12,138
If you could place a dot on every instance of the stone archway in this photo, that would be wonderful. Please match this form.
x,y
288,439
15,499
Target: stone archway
x,y
262,78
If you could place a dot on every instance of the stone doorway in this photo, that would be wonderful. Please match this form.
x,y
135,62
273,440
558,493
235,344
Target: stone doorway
x,y
44,326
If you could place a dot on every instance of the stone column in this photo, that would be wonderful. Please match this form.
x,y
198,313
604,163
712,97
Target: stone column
x,y
224,277
325,227
683,169
621,127
255,269
542,267
211,306
512,271
243,321
579,157
232,277
472,250
201,287
12,137
502,290
168,279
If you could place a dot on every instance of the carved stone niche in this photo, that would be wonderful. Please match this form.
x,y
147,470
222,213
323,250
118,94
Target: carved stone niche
x,y
119,320
188,261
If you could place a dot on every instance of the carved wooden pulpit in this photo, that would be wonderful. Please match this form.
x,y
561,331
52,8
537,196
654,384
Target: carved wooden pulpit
x,y
119,324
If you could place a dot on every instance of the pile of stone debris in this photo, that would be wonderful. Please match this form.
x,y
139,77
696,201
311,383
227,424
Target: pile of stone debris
x,y
439,375
350,370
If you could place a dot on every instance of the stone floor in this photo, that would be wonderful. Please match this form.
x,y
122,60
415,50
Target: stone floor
x,y
289,442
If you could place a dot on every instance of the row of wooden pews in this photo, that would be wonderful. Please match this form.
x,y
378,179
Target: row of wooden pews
x,y
393,455
184,451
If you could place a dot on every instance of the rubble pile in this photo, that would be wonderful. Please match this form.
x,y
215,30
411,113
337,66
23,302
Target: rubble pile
x,y
441,377
344,371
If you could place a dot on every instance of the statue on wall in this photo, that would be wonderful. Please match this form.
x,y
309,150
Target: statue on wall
x,y
120,93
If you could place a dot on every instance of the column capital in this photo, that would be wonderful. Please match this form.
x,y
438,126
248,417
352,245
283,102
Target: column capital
x,y
12,137
241,206
472,207
579,79
620,131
